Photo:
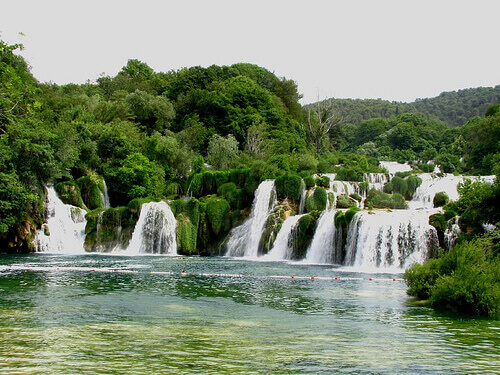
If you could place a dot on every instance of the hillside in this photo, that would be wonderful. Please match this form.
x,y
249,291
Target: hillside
x,y
454,108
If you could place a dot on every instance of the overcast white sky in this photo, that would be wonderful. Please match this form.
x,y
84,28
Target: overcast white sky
x,y
389,49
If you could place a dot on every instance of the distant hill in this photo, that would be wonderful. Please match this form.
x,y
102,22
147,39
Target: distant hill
x,y
454,108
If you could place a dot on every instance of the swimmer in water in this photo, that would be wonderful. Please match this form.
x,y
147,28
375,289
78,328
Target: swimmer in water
x,y
184,273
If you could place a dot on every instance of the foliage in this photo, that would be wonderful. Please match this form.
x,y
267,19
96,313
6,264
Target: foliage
x,y
440,199
69,192
218,214
466,279
344,201
317,200
222,151
288,186
378,199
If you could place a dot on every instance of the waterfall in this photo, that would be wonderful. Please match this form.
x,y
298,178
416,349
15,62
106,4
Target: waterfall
x,y
393,167
322,248
244,239
105,196
376,180
154,232
451,233
64,231
302,202
390,240
283,245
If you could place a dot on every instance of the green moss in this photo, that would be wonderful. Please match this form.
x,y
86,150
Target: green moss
x,y
69,192
218,214
440,199
234,196
108,229
303,235
186,235
288,186
317,200
349,214
91,191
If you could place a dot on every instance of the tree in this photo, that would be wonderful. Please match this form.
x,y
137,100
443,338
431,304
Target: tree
x,y
222,151
320,120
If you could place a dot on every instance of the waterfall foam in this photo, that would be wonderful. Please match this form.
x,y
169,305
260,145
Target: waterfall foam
x,y
105,196
244,240
283,245
390,240
323,246
64,231
154,232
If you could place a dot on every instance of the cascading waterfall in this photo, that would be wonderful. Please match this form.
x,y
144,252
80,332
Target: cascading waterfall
x,y
323,246
390,240
154,232
376,180
393,167
105,196
283,245
64,231
451,233
244,239
302,202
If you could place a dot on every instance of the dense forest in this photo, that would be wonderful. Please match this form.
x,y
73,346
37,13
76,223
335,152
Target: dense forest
x,y
214,134
454,108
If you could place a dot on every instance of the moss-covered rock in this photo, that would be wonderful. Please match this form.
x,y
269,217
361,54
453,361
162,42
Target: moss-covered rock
x,y
218,214
92,190
439,221
317,200
440,199
283,209
109,229
303,235
69,192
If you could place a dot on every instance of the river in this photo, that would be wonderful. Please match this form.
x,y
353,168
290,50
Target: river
x,y
84,314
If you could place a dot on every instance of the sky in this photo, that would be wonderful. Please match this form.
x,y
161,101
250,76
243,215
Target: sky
x,y
390,49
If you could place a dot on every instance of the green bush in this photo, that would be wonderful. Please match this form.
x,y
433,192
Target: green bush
x,y
229,192
398,201
317,200
309,181
388,188
323,181
69,193
440,199
304,233
399,185
288,186
349,174
343,201
465,280
379,199
413,182
349,214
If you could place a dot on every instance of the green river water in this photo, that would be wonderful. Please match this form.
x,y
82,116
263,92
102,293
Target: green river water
x,y
77,321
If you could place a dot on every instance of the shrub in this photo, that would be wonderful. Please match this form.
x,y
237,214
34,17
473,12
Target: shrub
x,y
413,182
440,199
343,201
399,185
309,181
323,181
229,192
91,192
349,174
288,186
349,214
398,201
69,193
317,200
465,280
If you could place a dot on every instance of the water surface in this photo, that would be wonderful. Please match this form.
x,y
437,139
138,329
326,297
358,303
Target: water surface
x,y
83,321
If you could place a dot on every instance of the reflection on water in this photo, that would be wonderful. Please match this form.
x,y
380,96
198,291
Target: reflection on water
x,y
148,323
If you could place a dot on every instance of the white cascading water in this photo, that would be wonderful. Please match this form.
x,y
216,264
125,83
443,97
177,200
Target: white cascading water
x,y
323,246
393,167
64,231
451,233
154,232
283,245
376,180
390,240
105,196
244,240
302,202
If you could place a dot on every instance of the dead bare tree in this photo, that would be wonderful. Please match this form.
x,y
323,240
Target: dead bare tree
x,y
321,118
